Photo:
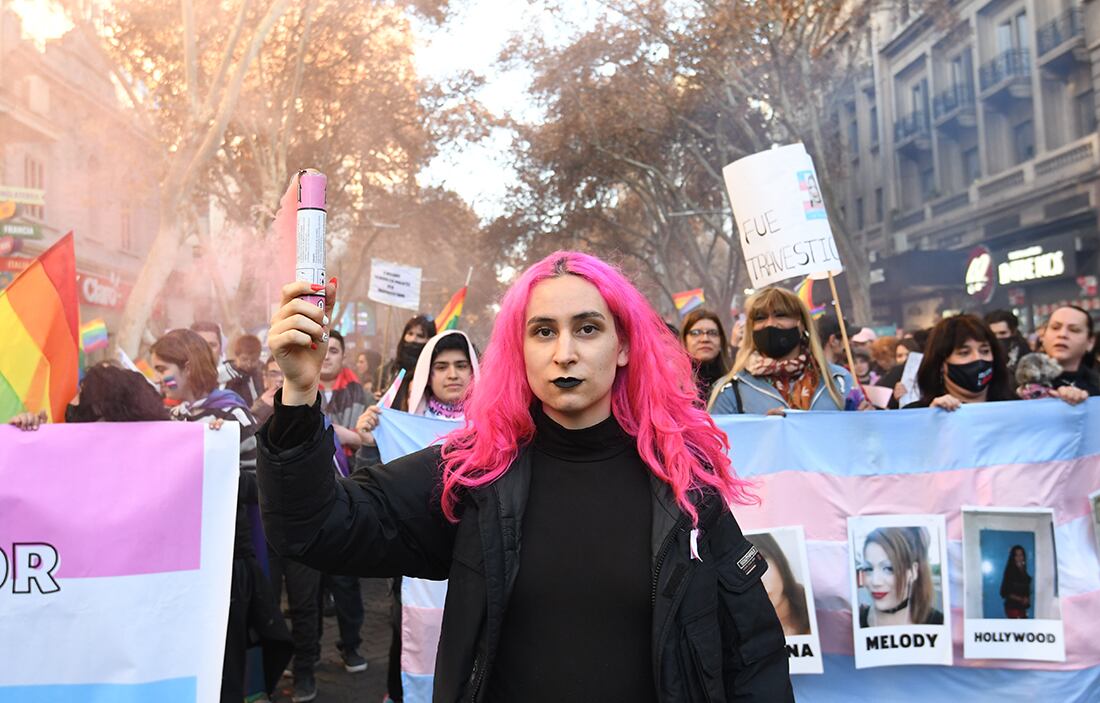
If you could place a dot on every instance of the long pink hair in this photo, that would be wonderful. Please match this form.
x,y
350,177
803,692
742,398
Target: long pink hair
x,y
652,397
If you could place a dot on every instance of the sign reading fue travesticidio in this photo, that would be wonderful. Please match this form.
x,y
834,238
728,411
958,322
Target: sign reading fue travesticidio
x,y
780,215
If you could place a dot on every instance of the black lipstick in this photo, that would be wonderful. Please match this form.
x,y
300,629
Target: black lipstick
x,y
567,382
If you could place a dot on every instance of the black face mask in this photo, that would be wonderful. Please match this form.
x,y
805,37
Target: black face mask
x,y
79,413
974,377
776,342
408,353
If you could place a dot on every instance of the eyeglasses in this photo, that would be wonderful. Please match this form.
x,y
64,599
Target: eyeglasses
x,y
704,333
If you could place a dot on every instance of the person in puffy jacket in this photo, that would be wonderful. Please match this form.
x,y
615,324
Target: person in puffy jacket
x,y
581,514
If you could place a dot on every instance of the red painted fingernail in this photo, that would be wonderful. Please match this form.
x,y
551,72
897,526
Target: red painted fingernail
x,y
316,287
312,345
333,281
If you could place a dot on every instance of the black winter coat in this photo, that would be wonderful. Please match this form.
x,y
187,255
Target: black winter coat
x,y
715,637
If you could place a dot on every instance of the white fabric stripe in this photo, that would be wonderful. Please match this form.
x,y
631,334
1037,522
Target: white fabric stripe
x,y
1078,566
135,629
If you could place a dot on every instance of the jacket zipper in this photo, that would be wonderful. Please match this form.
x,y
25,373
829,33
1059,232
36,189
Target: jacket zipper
x,y
666,546
479,673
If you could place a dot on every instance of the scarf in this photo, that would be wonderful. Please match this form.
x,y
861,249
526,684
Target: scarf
x,y
345,378
795,379
706,374
445,410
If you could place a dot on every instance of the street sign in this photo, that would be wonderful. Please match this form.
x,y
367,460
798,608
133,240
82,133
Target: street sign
x,y
27,196
21,230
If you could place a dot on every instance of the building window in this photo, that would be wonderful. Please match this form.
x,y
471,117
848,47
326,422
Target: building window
x,y
34,176
1085,106
1012,33
971,166
853,136
124,232
874,125
880,205
859,214
928,183
1023,141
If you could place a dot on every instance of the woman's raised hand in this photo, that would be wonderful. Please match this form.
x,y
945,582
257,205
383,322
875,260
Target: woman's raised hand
x,y
298,339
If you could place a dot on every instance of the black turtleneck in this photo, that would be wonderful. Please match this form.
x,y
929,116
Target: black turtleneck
x,y
578,624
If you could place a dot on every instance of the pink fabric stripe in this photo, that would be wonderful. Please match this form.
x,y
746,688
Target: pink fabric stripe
x,y
420,639
1079,617
1062,485
113,499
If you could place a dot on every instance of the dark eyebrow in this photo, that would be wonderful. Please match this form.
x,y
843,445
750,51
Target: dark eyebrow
x,y
588,315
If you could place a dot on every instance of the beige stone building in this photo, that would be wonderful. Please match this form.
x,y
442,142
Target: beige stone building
x,y
975,158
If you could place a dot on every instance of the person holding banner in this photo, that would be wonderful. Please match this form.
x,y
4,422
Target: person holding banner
x,y
581,514
964,363
705,340
106,394
781,364
1067,339
186,372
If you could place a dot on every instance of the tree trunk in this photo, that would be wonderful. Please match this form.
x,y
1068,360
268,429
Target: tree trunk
x,y
159,264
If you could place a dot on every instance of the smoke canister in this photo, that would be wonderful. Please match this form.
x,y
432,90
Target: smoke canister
x,y
312,217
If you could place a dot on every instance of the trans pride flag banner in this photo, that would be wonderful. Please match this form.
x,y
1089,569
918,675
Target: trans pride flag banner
x,y
116,546
815,470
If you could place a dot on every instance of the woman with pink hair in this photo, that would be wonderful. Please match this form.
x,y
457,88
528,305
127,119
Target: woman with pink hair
x,y
581,514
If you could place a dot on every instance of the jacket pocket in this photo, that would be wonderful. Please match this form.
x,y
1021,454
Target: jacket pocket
x,y
758,632
701,648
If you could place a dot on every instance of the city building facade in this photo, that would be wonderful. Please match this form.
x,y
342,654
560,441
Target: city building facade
x,y
975,158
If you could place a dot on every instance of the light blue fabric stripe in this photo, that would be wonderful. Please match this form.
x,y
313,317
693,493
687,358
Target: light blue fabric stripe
x,y
417,689
913,441
842,683
400,433
182,690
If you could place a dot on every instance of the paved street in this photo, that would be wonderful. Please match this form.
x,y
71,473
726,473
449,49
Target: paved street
x,y
334,685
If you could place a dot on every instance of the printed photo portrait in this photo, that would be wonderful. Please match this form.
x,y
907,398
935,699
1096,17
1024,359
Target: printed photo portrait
x,y
1010,584
899,576
787,581
1094,501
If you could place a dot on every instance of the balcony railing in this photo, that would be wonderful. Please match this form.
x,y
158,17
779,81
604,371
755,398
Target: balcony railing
x,y
1013,63
1061,29
913,124
960,95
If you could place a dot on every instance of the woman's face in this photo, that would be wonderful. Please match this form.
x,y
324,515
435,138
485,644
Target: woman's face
x,y
764,318
171,379
451,376
415,335
863,366
773,583
901,354
361,365
1019,559
880,579
971,350
703,340
1066,338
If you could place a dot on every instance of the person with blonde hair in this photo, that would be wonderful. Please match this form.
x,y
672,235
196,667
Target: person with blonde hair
x,y
781,365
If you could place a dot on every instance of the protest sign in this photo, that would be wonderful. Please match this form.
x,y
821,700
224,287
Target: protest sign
x,y
900,608
909,379
1010,585
394,284
780,216
120,559
791,592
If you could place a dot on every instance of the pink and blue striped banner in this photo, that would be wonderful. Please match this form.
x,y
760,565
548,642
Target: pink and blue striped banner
x,y
817,469
116,546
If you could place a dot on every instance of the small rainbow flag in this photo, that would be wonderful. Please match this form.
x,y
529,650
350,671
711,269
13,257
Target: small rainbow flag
x,y
93,335
448,319
39,342
688,300
805,292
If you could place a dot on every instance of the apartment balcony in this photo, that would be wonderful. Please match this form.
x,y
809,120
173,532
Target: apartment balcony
x,y
913,132
1061,42
1007,77
954,107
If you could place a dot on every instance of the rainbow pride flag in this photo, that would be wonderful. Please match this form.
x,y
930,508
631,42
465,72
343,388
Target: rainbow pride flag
x,y
688,300
39,344
805,291
448,319
93,335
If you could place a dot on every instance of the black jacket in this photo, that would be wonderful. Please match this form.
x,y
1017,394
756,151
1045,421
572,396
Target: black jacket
x,y
715,635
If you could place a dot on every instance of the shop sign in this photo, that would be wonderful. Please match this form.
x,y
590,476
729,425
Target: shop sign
x,y
1031,264
21,230
27,196
105,292
979,274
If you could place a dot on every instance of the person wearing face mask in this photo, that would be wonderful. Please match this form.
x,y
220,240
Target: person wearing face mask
x,y
963,363
1006,327
418,330
1067,339
781,364
106,394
